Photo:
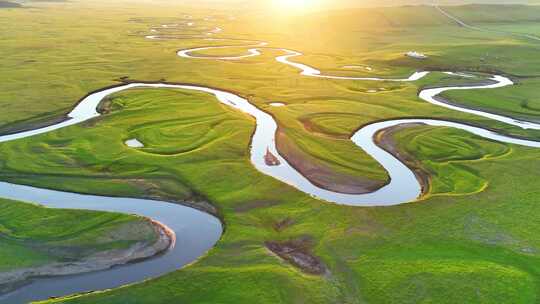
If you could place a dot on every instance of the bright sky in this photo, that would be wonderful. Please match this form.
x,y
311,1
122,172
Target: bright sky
x,y
298,6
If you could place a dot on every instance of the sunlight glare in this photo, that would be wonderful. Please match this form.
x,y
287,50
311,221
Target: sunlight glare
x,y
296,4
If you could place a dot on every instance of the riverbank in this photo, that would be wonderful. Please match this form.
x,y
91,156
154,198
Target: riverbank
x,y
139,251
322,175
386,140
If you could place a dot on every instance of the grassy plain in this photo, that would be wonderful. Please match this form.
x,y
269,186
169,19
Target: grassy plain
x,y
423,251
520,101
472,239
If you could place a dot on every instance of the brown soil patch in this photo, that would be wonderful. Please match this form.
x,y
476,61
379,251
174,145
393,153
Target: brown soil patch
x,y
283,224
298,253
270,159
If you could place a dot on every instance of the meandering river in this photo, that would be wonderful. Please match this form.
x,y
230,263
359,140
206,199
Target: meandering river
x,y
197,232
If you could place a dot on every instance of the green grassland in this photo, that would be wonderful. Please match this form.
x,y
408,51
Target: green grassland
x,y
32,235
521,101
423,251
491,14
472,239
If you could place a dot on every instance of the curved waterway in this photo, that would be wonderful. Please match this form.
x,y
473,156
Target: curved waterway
x,y
404,186
196,232
251,52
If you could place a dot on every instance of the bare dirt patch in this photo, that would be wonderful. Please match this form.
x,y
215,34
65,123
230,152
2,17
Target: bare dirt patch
x,y
270,159
297,252
283,224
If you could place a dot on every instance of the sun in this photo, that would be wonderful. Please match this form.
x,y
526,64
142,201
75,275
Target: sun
x,y
296,4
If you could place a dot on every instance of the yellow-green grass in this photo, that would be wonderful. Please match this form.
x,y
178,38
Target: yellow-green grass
x,y
520,101
493,14
459,244
455,238
64,62
418,252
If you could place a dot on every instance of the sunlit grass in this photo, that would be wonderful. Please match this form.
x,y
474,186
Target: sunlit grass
x,y
195,146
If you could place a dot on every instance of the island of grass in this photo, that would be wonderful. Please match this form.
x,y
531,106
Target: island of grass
x,y
37,241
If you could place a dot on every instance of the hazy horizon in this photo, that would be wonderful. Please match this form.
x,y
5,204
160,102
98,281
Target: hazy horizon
x,y
318,5
369,3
